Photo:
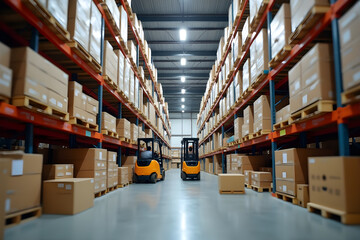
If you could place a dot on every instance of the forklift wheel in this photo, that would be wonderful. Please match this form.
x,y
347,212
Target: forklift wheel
x,y
163,175
198,177
153,178
183,175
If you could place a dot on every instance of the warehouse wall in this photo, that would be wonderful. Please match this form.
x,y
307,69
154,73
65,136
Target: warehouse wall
x,y
182,125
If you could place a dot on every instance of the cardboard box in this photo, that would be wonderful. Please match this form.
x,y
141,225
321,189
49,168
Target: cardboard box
x,y
123,176
5,80
348,26
57,171
68,196
285,186
130,172
5,53
108,122
4,169
124,24
134,132
231,182
123,128
23,188
245,31
111,156
260,184
280,29
261,176
332,181
59,10
110,68
247,174
76,97
58,102
99,184
253,162
303,194
95,33
298,156
246,73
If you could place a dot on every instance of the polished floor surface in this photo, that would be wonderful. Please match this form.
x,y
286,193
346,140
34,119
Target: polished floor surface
x,y
189,210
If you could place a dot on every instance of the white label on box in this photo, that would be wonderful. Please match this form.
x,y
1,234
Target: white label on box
x,y
356,76
59,167
60,174
66,167
17,167
33,91
304,99
297,85
44,97
311,79
346,36
68,173
284,188
59,104
68,187
4,83
103,185
255,175
284,157
53,101
92,180
7,204
100,155
114,158
77,92
98,164
311,160
350,16
284,174
60,185
7,77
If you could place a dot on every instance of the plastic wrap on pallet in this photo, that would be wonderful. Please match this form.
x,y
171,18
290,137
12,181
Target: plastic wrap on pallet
x,y
114,10
245,31
95,33
59,9
280,29
246,75
123,24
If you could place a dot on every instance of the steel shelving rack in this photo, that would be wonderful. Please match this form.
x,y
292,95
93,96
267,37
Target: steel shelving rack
x,y
20,123
339,121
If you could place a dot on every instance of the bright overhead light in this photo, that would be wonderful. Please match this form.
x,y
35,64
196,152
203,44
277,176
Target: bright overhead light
x,y
182,34
182,91
183,99
183,79
183,61
183,111
182,106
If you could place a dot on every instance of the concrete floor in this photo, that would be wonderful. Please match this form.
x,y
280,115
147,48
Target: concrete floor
x,y
188,210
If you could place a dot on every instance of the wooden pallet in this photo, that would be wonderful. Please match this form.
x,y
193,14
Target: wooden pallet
x,y
101,193
258,16
246,92
123,185
315,109
95,65
287,198
261,133
125,140
130,182
109,133
110,82
259,79
261,189
113,188
77,48
38,106
22,216
247,185
128,7
47,19
351,95
326,212
247,138
312,18
280,56
246,42
110,19
80,123
281,125
4,99
232,192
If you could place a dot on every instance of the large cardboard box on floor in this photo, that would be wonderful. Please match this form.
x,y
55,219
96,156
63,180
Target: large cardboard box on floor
x,y
261,179
23,188
123,176
231,182
302,194
333,182
68,196
4,169
247,174
57,171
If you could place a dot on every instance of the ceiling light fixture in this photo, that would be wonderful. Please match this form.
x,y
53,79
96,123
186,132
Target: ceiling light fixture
x,y
183,61
183,99
183,79
182,34
182,106
182,91
183,111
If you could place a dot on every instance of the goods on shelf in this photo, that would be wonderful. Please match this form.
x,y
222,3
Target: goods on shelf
x,y
68,196
262,115
108,124
248,174
123,24
332,183
88,163
23,178
231,183
95,33
57,171
5,71
259,58
246,78
291,167
310,79
283,114
302,194
123,176
349,47
129,162
112,170
245,34
110,70
261,180
123,128
248,126
58,9
134,132
253,163
4,182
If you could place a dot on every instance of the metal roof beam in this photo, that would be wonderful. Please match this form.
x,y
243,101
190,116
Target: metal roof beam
x,y
172,60
183,18
184,42
185,69
183,53
187,29
187,75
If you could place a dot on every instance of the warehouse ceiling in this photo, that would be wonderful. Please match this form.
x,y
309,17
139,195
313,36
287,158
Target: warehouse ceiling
x,y
204,21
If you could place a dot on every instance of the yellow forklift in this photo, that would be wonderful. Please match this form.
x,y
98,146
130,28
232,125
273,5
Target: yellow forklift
x,y
149,164
190,163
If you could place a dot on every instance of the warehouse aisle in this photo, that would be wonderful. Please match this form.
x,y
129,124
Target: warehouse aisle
x,y
184,210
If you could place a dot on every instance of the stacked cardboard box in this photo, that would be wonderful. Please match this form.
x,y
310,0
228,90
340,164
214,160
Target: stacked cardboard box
x,y
129,162
134,132
299,11
111,63
283,114
123,175
280,29
302,193
82,106
332,183
68,196
57,171
245,31
310,79
246,75
95,33
88,163
262,114
231,182
248,125
218,164
112,170
5,71
39,79
292,168
123,24
248,174
79,21
253,163
132,50
126,77
4,169
261,179
259,56
232,163
23,178
123,128
115,12
349,46
59,10
108,122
